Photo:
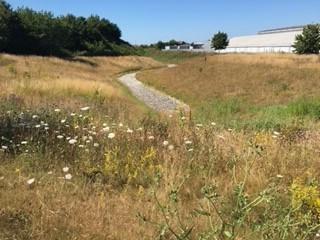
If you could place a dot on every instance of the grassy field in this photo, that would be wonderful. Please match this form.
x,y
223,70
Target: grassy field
x,y
262,91
81,159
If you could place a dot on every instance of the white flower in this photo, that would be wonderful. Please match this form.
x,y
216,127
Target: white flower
x,y
38,126
88,141
188,142
105,125
106,129
81,146
63,120
85,108
111,135
35,116
60,137
171,147
31,181
151,137
199,125
57,110
276,133
279,176
183,118
4,147
24,143
165,143
140,129
213,124
46,128
190,150
68,176
72,114
65,169
120,124
72,141
96,145
129,130
50,173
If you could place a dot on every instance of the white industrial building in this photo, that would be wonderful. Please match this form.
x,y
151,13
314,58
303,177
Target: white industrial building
x,y
267,41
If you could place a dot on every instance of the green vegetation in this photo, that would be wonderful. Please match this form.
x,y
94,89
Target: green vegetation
x,y
25,31
167,57
220,41
309,41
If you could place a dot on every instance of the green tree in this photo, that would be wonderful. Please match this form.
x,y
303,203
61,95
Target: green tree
x,y
309,41
220,41
5,18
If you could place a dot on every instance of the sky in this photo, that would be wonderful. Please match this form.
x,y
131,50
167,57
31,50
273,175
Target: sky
x,y
148,21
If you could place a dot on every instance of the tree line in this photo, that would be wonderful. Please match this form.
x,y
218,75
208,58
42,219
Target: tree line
x,y
25,31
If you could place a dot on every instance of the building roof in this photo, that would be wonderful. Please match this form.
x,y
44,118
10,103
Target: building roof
x,y
271,39
285,29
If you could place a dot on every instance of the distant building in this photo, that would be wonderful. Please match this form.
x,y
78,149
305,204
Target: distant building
x,y
268,41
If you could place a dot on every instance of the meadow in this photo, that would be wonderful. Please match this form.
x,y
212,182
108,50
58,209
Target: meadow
x,y
82,159
245,91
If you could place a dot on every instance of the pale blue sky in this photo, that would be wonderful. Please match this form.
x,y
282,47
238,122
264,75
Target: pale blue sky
x,y
147,21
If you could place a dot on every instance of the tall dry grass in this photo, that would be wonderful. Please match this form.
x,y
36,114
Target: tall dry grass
x,y
152,178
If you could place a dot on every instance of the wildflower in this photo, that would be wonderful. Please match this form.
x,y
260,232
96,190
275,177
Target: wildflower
x,y
106,129
230,129
276,133
190,150
24,143
72,114
96,144
213,124
46,128
65,169
68,176
105,125
129,130
165,143
151,137
63,120
60,137
171,147
120,124
38,126
188,142
4,147
199,125
81,146
88,141
57,110
31,181
72,141
50,173
183,118
35,116
111,135
85,109
279,176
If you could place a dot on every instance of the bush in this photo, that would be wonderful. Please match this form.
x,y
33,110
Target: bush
x,y
309,41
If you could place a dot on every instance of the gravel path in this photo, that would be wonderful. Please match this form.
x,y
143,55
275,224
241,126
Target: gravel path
x,y
152,97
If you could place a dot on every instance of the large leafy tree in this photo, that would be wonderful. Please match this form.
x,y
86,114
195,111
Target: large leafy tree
x,y
5,19
39,32
309,41
220,41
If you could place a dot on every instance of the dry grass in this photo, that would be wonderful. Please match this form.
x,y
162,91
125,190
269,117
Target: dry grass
x,y
256,79
41,81
206,182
